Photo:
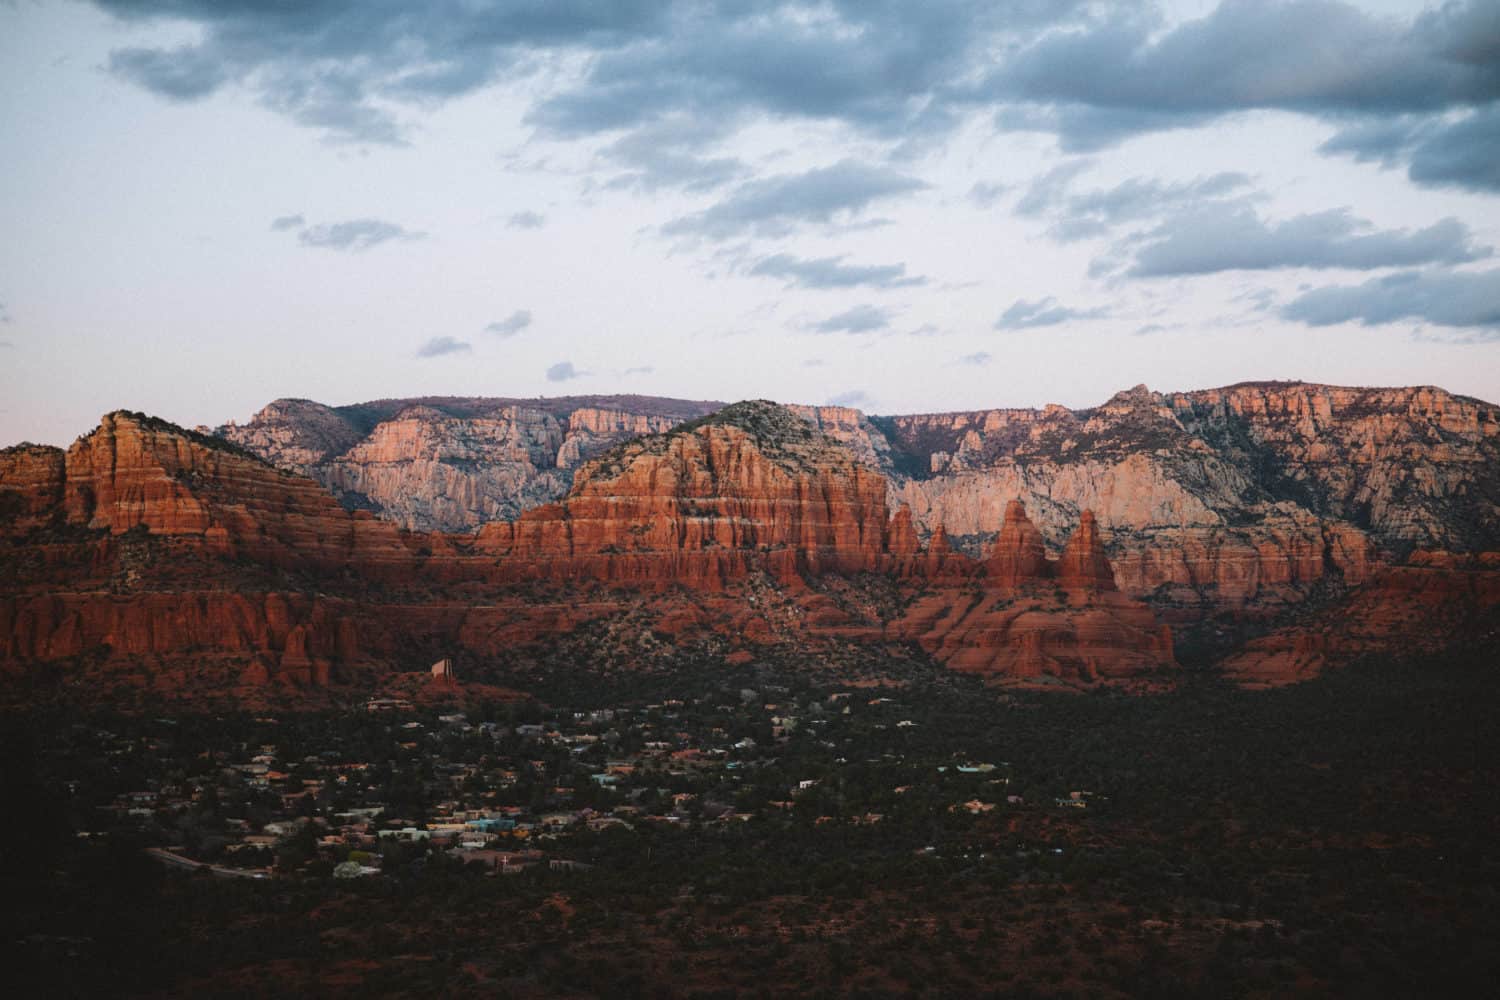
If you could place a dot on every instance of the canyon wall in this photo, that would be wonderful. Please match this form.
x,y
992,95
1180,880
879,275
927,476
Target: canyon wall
x,y
159,549
1248,498
451,464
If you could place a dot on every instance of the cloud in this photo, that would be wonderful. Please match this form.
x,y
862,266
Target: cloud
x,y
854,398
986,193
977,359
1464,299
672,153
641,71
860,319
1082,129
1437,151
775,206
284,222
354,235
185,73
510,325
526,220
641,370
1024,315
332,66
1095,213
439,346
831,272
1044,191
885,68
1226,237
4,313
563,371
1123,74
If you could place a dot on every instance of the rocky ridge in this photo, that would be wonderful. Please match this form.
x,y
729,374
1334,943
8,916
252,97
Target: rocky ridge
x,y
450,464
1247,498
165,552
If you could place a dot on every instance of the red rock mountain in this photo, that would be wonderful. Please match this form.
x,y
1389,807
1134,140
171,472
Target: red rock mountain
x,y
1328,521
1249,497
176,558
446,464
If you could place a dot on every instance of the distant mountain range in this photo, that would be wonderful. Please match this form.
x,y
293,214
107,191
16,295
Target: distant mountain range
x,y
1264,530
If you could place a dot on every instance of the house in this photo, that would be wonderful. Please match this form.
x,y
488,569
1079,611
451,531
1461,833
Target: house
x,y
489,824
474,839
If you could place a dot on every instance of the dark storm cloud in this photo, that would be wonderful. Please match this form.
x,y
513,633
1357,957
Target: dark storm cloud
x,y
1223,236
439,346
831,272
774,206
510,325
282,223
354,235
1024,315
563,371
1438,152
1466,299
526,220
860,319
1123,75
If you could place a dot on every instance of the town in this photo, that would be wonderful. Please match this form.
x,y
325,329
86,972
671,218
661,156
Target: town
x,y
391,787
743,828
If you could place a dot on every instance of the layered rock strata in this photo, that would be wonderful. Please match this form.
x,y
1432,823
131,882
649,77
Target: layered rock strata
x,y
451,464
173,548
1247,498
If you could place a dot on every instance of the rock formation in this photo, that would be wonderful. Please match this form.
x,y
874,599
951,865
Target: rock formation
x,y
179,548
451,464
1019,555
168,554
1247,498
1083,563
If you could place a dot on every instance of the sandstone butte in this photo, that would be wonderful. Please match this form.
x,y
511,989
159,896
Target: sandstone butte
x,y
158,552
1353,510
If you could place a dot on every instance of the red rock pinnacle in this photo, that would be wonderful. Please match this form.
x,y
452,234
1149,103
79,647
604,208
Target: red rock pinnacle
x,y
1084,563
1018,555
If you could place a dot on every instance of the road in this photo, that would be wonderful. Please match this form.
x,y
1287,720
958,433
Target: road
x,y
167,857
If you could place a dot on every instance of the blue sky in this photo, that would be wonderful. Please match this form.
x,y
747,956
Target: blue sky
x,y
905,207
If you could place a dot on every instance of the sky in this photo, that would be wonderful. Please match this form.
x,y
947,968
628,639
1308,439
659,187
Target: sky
x,y
210,204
